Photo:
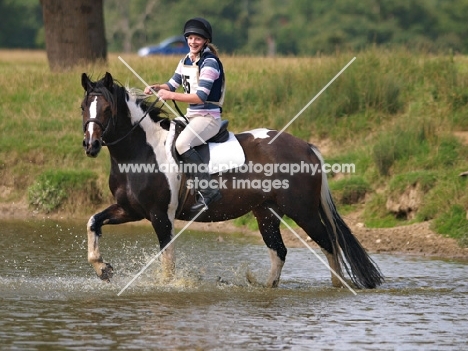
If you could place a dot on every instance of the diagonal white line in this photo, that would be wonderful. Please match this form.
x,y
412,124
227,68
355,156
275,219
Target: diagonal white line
x,y
311,101
163,101
160,252
311,250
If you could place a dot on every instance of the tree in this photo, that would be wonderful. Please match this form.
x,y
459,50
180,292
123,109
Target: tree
x,y
74,32
126,21
131,24
20,24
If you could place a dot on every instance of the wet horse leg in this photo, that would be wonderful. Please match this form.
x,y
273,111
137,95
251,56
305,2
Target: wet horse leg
x,y
114,214
316,230
335,265
164,228
269,226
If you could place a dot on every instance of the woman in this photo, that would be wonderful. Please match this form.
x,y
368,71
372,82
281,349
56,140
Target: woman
x,y
201,75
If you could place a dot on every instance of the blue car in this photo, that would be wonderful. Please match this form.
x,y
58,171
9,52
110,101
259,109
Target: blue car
x,y
171,46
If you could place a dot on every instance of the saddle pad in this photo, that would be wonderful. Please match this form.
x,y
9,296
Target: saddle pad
x,y
225,156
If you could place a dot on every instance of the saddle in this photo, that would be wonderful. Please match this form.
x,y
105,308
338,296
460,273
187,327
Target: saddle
x,y
221,153
204,150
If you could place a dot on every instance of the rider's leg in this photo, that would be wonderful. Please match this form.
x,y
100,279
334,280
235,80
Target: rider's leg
x,y
205,128
207,194
198,130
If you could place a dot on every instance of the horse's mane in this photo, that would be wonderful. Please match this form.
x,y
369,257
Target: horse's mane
x,y
145,101
117,98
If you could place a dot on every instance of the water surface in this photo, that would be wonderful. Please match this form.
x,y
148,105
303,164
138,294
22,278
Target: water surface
x,y
51,299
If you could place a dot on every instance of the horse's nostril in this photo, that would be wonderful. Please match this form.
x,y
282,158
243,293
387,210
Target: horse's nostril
x,y
96,144
84,143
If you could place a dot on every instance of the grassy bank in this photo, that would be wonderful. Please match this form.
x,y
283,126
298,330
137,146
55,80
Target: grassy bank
x,y
391,113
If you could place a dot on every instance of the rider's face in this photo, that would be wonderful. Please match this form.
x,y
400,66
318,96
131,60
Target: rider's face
x,y
196,43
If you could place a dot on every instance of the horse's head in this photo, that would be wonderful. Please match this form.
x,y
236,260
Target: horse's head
x,y
98,110
112,112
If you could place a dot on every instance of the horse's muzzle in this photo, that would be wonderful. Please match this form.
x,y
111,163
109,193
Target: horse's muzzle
x,y
92,148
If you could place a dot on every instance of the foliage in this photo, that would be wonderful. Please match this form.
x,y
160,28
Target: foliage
x,y
41,127
397,145
45,195
350,190
303,27
375,213
247,220
52,187
425,179
251,223
265,27
454,223
20,24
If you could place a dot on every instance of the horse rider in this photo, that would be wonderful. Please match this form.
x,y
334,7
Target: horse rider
x,y
201,75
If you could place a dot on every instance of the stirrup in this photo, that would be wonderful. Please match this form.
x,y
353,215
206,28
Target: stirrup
x,y
204,201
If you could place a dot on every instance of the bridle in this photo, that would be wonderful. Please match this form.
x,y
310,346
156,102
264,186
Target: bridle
x,y
95,120
104,129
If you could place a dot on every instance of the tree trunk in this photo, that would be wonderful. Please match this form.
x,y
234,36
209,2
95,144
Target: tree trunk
x,y
74,32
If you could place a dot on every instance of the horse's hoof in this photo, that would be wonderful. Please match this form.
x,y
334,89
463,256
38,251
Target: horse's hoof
x,y
221,281
107,272
252,280
273,285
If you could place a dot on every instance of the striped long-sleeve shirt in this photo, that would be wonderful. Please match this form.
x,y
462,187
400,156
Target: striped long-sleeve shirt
x,y
205,75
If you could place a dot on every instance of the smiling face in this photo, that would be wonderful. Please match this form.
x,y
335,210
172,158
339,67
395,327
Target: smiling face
x,y
196,43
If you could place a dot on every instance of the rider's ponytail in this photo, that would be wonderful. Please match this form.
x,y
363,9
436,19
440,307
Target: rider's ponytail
x,y
213,49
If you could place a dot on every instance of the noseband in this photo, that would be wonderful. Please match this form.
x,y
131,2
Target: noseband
x,y
94,120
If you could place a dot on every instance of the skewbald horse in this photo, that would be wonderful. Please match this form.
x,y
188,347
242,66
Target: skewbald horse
x,y
113,116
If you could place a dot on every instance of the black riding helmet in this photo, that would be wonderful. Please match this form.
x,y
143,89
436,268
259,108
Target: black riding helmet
x,y
198,26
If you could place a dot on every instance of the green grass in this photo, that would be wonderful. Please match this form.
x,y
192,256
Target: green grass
x,y
425,179
453,222
63,190
392,113
250,222
351,190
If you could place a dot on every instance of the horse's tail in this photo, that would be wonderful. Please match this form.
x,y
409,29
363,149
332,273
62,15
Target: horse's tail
x,y
347,250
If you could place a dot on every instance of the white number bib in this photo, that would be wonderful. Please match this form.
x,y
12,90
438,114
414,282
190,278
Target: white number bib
x,y
190,75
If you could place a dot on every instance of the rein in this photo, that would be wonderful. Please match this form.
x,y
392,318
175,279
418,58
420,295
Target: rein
x,y
180,112
133,128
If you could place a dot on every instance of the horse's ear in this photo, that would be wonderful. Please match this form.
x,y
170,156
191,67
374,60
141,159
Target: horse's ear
x,y
108,80
86,82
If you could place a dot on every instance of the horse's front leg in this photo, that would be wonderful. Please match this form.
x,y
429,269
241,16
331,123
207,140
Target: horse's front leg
x,y
269,226
163,224
114,214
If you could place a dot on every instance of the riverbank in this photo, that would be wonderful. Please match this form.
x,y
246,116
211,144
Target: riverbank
x,y
397,119
415,239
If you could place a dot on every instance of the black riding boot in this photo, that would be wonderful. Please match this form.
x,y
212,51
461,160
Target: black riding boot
x,y
207,195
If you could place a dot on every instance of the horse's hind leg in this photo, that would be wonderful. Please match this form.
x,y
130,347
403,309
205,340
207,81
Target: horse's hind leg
x,y
114,214
269,226
316,230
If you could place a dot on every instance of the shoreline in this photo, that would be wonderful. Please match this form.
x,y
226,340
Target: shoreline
x,y
414,239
